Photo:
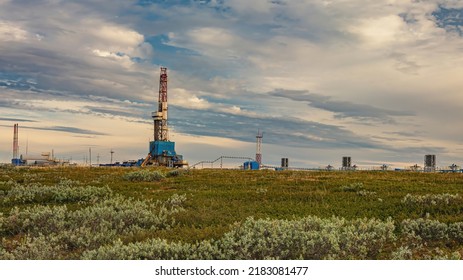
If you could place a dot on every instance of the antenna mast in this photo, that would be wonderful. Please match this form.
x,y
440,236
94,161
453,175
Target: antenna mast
x,y
259,137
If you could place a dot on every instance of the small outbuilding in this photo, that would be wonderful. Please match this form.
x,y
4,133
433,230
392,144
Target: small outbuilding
x,y
251,165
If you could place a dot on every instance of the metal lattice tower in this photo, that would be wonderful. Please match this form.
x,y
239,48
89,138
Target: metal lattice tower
x,y
259,137
15,142
160,116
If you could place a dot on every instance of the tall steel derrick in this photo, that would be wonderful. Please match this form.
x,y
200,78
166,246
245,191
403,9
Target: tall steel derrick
x,y
162,150
161,131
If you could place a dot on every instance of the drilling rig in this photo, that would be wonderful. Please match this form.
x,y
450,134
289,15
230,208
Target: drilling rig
x,y
162,150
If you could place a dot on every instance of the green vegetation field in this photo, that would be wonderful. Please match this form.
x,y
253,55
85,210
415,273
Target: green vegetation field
x,y
123,213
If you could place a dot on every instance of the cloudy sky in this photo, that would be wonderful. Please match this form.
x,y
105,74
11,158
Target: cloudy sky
x,y
377,80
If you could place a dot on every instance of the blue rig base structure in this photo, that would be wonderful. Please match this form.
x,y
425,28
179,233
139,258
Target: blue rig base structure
x,y
162,153
17,162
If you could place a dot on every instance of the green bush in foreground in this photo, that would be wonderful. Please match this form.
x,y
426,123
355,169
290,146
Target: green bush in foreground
x,y
307,238
432,230
45,232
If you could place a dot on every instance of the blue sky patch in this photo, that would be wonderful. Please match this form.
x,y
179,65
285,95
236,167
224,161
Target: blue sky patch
x,y
450,19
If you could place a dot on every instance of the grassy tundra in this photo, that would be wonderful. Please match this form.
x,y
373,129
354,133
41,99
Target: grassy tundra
x,y
120,213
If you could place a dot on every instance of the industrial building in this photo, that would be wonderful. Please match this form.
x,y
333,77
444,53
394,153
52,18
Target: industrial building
x,y
251,165
284,163
44,159
429,163
346,163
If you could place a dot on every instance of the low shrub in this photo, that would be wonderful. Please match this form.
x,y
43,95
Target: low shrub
x,y
144,175
354,187
425,229
433,230
83,229
307,238
60,193
176,172
432,199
